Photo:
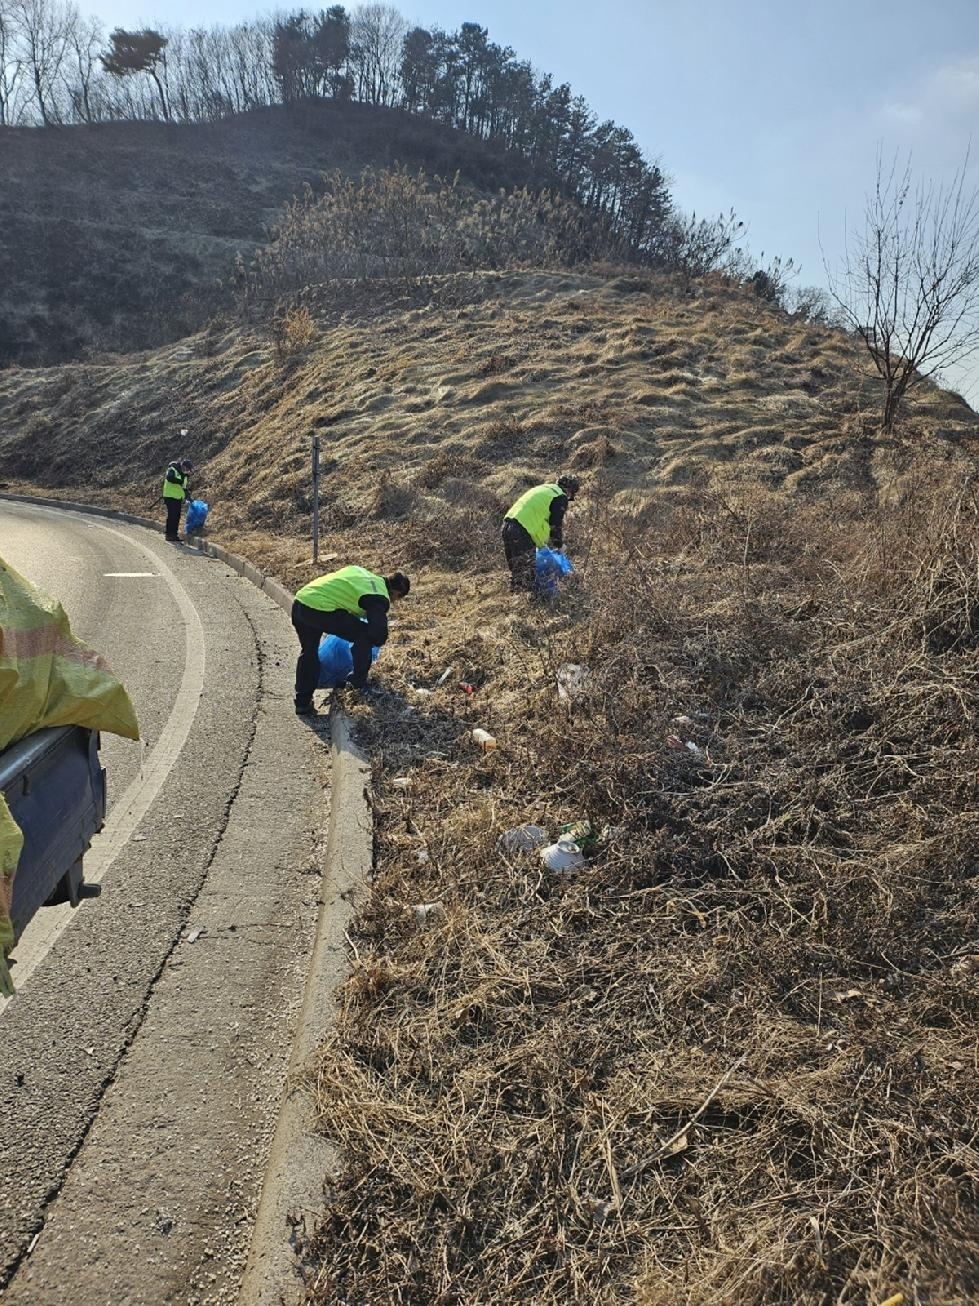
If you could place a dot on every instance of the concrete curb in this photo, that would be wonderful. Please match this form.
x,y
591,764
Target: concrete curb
x,y
300,1158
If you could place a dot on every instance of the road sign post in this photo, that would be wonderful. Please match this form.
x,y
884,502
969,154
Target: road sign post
x,y
316,498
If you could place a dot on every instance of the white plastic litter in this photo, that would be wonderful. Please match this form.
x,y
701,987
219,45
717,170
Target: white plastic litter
x,y
563,856
686,746
401,782
523,839
572,678
484,739
426,912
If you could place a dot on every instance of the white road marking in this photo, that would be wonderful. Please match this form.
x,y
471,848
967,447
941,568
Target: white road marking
x,y
129,573
50,923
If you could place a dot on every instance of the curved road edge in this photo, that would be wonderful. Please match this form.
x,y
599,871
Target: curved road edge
x,y
300,1158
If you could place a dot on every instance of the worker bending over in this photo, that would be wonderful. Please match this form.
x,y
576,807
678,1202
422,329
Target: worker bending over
x,y
352,603
536,520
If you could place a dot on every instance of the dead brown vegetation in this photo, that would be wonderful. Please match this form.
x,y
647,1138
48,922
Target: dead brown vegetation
x,y
405,225
734,1058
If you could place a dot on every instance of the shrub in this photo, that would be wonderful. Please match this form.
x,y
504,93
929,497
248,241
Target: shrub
x,y
292,332
407,225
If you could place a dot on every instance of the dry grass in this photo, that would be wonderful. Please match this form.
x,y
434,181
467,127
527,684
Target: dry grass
x,y
734,1059
517,375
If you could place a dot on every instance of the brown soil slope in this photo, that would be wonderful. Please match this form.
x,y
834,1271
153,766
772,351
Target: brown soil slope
x,y
732,1057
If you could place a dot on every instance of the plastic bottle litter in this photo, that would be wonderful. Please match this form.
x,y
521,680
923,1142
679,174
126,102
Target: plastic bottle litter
x,y
571,680
563,856
484,739
522,839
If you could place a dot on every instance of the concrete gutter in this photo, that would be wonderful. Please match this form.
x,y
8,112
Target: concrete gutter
x,y
300,1158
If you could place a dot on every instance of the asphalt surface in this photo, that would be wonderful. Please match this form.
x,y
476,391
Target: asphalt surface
x,y
142,1060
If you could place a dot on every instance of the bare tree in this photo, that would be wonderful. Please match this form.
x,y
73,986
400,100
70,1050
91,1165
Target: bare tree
x,y
377,35
812,304
12,68
909,285
43,27
696,246
81,67
251,53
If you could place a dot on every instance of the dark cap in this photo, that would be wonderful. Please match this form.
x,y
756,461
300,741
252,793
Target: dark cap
x,y
569,483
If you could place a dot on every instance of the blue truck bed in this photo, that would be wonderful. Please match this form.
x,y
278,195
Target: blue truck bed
x,y
54,785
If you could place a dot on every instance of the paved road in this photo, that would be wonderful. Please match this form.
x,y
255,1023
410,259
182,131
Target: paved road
x,y
141,1061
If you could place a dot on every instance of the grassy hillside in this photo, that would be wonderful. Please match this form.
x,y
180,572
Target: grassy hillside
x,y
475,386
732,1058
124,235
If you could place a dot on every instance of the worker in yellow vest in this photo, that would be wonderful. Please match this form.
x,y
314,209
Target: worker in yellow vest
x,y
352,603
174,494
536,520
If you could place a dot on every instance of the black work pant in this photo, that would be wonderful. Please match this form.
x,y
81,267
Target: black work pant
x,y
521,556
311,623
173,518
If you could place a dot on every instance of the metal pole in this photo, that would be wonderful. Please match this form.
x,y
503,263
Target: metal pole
x,y
316,498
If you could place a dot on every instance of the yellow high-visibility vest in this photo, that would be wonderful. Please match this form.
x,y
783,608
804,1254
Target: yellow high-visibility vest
x,y
343,590
175,489
533,511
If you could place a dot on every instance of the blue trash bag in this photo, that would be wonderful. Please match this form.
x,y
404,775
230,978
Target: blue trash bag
x,y
549,568
196,515
337,661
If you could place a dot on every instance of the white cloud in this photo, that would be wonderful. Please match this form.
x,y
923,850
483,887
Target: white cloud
x,y
946,97
957,86
902,114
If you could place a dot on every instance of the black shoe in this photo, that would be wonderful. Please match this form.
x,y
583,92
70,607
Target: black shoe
x,y
305,707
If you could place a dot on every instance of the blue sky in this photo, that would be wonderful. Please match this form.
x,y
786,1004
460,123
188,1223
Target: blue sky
x,y
776,108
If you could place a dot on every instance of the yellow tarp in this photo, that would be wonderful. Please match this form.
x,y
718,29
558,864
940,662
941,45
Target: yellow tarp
x,y
47,678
